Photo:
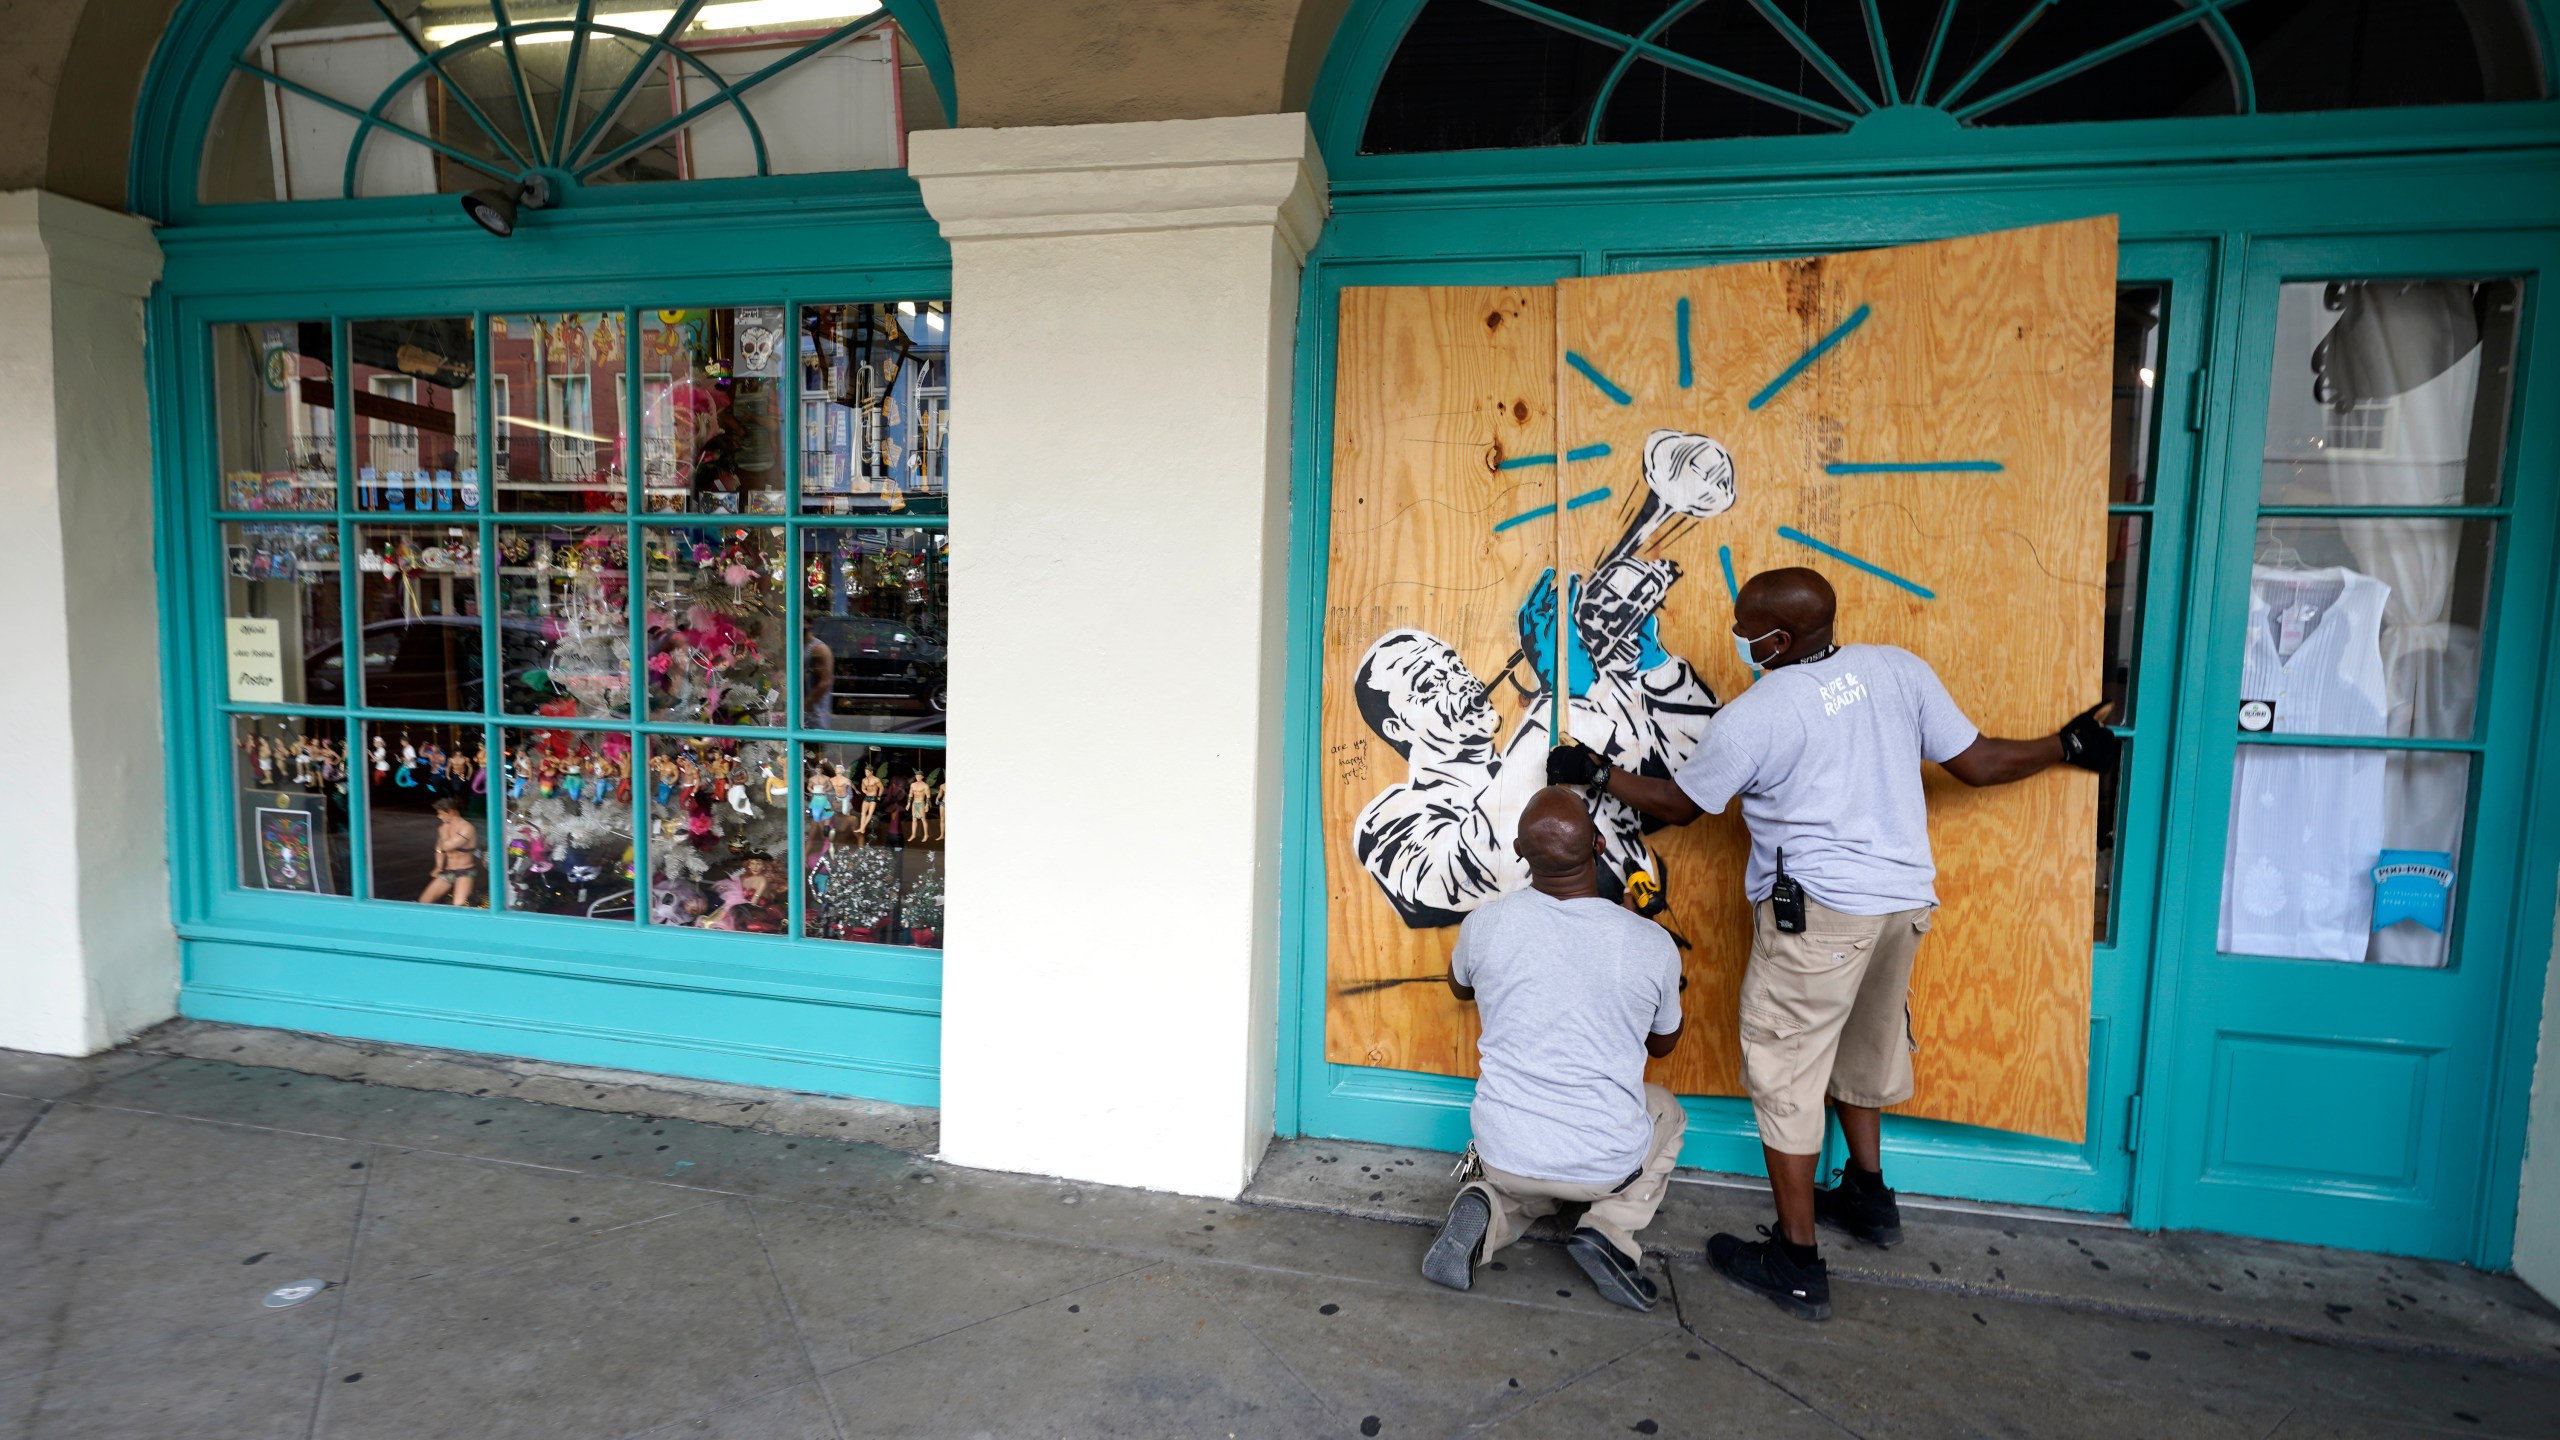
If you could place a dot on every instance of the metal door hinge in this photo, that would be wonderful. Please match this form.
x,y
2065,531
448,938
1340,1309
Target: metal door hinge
x,y
2133,1124
2199,398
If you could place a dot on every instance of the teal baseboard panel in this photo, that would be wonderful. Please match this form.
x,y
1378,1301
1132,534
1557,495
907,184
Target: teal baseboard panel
x,y
784,1042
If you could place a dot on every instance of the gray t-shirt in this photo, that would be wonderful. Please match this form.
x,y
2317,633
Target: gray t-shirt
x,y
1826,757
1567,991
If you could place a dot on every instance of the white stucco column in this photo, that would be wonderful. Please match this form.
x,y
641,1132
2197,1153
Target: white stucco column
x,y
1124,299
89,956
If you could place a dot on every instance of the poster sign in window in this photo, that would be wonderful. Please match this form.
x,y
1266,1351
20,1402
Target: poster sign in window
x,y
288,850
255,659
2412,885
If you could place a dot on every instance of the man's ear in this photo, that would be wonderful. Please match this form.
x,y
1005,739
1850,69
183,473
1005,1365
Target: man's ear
x,y
1394,730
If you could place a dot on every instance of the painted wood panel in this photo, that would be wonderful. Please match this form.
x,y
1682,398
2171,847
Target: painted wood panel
x,y
1927,426
1444,402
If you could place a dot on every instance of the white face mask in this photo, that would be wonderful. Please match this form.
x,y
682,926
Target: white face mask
x,y
1742,648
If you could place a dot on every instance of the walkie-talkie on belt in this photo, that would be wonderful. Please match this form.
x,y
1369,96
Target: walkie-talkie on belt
x,y
1786,900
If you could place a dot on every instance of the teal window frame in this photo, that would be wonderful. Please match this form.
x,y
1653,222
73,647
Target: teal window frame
x,y
816,1014
2192,197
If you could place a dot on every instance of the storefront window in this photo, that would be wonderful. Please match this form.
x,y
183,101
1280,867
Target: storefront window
x,y
2132,458
549,698
711,412
275,421
564,620
420,609
426,814
873,843
556,390
720,833
875,399
2380,517
416,446
568,845
875,626
289,788
718,647
281,593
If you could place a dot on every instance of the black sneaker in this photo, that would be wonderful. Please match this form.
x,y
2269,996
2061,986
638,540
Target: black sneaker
x,y
1612,1273
1762,1268
1869,1215
1451,1260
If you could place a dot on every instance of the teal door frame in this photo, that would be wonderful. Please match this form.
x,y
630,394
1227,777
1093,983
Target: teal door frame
x,y
813,1014
2193,197
2457,1028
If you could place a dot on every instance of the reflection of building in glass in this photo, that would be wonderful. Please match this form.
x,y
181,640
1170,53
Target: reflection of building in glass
x,y
875,406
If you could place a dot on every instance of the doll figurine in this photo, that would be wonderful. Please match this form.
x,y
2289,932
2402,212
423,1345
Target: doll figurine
x,y
776,789
457,855
266,761
821,799
919,803
840,785
381,760
873,787
941,808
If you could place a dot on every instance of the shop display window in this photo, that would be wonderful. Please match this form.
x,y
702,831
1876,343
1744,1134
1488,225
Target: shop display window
x,y
281,614
719,833
718,642
875,408
564,620
872,843
567,844
275,417
289,803
557,387
543,699
875,624
711,410
417,449
420,611
427,813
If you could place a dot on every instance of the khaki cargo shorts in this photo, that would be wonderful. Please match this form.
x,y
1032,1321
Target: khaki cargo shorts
x,y
1827,1011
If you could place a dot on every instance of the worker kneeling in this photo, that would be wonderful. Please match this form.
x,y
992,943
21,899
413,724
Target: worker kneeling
x,y
1574,992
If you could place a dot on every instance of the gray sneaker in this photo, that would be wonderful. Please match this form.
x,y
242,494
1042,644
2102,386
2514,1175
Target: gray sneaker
x,y
1451,1260
1612,1273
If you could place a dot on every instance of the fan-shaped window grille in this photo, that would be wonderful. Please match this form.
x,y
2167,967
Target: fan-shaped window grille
x,y
352,98
1498,74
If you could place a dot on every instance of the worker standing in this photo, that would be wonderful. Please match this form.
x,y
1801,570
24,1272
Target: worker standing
x,y
1824,753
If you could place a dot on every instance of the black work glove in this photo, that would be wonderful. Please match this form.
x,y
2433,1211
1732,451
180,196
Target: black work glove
x,y
1574,763
2085,741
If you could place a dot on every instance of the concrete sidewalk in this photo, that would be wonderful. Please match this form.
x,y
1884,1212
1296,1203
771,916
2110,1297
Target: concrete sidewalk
x,y
499,1267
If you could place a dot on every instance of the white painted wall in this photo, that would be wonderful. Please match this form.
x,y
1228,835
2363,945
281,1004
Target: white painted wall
x,y
1124,298
2538,1207
89,956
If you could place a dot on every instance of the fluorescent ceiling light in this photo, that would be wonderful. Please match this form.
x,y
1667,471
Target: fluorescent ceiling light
x,y
736,15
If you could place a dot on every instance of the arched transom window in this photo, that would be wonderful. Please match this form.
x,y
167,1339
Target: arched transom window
x,y
359,98
1491,74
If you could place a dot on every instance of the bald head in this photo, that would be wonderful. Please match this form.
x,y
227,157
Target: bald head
x,y
1795,600
1556,834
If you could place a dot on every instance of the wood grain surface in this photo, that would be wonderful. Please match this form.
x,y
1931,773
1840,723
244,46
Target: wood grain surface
x,y
1991,350
1436,388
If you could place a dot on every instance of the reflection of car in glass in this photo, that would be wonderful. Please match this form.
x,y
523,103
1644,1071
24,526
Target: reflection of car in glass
x,y
883,665
430,662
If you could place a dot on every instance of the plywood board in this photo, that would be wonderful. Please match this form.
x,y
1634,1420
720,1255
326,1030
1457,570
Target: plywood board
x,y
1444,400
1927,426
